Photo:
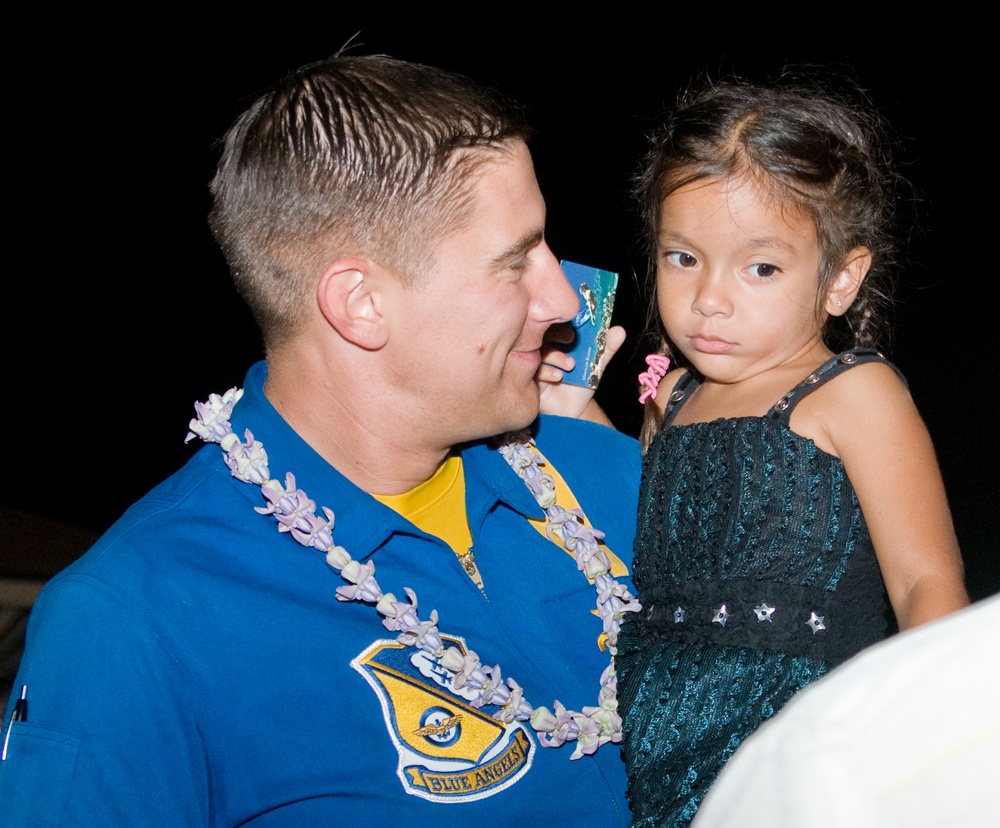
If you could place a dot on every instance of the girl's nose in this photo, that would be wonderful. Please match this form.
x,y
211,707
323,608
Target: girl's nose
x,y
711,297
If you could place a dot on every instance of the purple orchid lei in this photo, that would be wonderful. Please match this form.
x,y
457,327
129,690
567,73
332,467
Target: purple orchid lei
x,y
296,514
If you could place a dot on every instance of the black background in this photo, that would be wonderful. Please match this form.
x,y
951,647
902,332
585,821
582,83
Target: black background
x,y
118,307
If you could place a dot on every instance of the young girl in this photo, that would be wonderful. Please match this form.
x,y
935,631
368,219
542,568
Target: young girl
x,y
789,484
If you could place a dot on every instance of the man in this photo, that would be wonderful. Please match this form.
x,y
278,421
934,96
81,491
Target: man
x,y
383,222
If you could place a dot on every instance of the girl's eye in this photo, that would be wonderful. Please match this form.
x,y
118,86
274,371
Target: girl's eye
x,y
763,270
679,258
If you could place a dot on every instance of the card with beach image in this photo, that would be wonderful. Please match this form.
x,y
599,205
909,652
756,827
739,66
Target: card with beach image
x,y
596,289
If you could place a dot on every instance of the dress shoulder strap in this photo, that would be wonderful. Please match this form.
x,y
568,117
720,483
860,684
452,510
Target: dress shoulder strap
x,y
683,388
833,367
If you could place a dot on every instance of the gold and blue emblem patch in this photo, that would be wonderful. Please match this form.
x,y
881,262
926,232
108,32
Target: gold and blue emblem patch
x,y
448,750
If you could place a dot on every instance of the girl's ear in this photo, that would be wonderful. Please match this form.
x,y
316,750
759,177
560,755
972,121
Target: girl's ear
x,y
349,299
847,282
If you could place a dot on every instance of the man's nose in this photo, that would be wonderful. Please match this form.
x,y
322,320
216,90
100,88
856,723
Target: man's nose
x,y
554,299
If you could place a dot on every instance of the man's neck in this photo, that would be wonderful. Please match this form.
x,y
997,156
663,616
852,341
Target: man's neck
x,y
359,435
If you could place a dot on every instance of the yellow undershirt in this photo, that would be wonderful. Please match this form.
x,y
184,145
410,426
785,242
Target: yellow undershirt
x,y
437,506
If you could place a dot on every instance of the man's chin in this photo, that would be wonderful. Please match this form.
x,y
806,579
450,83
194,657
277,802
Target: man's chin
x,y
520,414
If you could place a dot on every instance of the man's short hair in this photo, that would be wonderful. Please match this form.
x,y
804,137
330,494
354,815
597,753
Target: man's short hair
x,y
363,156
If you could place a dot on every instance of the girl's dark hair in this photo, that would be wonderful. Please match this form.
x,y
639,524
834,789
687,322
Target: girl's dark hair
x,y
822,151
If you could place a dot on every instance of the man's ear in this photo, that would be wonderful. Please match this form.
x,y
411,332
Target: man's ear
x,y
848,281
349,299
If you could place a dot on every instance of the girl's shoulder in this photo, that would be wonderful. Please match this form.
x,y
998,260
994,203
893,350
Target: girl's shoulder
x,y
856,378
855,364
850,400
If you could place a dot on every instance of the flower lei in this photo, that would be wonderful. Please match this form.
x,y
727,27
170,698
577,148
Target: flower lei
x,y
296,515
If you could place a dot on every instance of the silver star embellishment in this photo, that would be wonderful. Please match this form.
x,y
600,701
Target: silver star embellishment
x,y
680,615
764,612
721,616
816,622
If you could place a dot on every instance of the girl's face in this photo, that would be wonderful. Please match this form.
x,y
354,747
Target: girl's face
x,y
737,279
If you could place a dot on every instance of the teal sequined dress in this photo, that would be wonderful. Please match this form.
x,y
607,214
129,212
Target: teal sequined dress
x,y
756,575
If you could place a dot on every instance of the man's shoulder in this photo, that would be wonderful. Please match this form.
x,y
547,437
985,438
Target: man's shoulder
x,y
602,466
185,504
577,445
554,430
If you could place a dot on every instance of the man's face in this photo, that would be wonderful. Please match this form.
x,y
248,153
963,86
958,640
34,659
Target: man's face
x,y
466,341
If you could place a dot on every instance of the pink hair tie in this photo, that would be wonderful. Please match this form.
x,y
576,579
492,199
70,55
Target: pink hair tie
x,y
658,365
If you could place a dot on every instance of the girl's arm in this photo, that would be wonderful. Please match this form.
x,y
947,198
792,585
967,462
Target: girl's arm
x,y
876,431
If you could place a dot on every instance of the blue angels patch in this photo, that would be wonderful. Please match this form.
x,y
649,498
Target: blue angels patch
x,y
448,750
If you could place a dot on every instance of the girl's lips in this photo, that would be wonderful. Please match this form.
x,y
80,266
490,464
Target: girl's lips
x,y
711,345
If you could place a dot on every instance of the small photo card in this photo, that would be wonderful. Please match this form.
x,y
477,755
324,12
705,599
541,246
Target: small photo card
x,y
596,289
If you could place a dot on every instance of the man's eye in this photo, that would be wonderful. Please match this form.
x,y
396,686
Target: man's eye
x,y
763,270
679,258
